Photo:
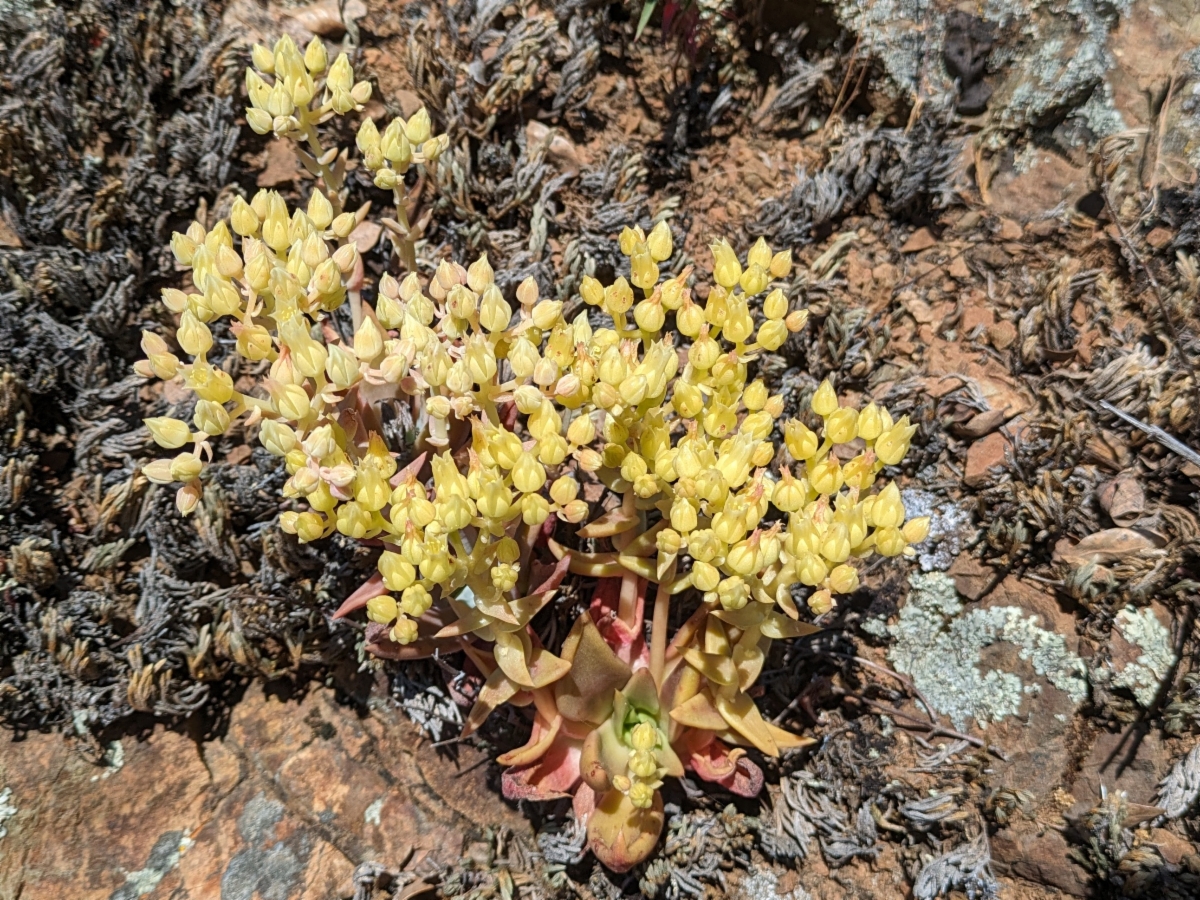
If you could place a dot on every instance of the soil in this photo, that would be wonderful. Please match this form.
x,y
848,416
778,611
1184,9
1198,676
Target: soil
x,y
183,718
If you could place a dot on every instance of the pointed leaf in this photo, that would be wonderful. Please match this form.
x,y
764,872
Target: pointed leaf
x,y
699,712
372,587
585,693
785,740
498,689
716,668
554,775
744,718
777,627
540,740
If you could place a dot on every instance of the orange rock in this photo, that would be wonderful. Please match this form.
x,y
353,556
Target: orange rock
x,y
921,239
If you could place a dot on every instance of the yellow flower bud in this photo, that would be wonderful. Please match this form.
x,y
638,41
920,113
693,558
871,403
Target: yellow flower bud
x,y
755,395
582,431
705,577
343,225
368,340
528,475
315,57
916,530
185,467
416,600
824,402
547,314
887,510
771,335
158,471
835,546
644,736
826,476
641,795
193,335
796,321
341,75
760,254
843,579
811,569
889,541
892,444
591,290
726,269
309,527
704,353
535,509
649,315
382,609
690,319
405,631
419,127
494,313
683,515
574,512
659,242
842,426
733,593
776,305
352,520
291,402
801,442
754,280
263,59
320,210
870,422
564,490
210,417
742,558
781,264
618,297
167,432
820,603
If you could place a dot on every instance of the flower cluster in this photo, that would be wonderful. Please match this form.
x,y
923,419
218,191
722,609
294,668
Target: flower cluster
x,y
517,405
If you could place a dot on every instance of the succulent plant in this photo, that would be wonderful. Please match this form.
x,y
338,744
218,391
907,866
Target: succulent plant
x,y
516,407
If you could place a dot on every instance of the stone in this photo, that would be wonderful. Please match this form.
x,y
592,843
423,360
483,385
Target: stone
x,y
294,796
921,239
988,452
1042,858
1003,334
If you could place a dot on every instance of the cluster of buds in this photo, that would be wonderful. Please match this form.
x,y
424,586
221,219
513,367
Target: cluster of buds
x,y
518,406
296,100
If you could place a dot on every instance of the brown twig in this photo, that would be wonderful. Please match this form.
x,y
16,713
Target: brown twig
x,y
940,730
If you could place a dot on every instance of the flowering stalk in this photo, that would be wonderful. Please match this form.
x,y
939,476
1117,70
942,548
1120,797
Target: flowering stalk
x,y
520,405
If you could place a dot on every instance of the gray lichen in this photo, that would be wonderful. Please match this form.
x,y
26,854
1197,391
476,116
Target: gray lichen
x,y
939,646
1143,676
761,883
7,809
949,525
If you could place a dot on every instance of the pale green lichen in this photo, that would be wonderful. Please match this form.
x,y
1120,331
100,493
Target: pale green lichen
x,y
1143,676
939,646
7,810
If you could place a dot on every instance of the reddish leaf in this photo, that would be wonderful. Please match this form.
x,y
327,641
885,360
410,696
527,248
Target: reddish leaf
x,y
733,770
554,775
372,587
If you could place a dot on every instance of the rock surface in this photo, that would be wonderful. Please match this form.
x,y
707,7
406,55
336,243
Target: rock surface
x,y
293,797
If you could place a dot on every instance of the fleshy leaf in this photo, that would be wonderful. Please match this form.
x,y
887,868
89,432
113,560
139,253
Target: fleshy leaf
x,y
554,775
372,587
540,739
699,712
498,689
620,834
585,693
744,718
731,769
